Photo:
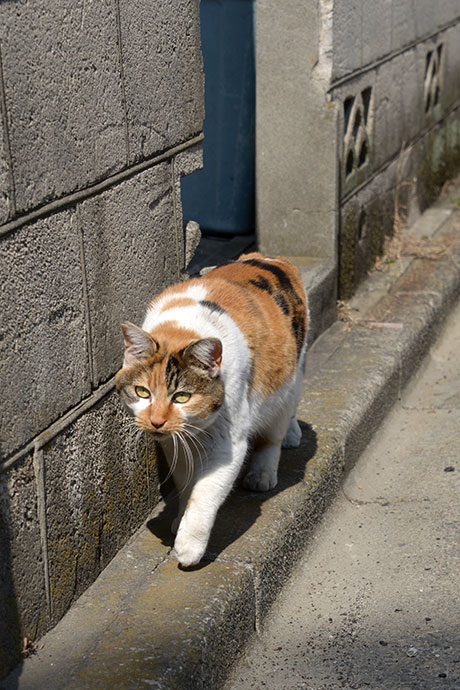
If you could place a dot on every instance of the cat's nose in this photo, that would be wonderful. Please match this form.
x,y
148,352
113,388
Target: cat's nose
x,y
157,423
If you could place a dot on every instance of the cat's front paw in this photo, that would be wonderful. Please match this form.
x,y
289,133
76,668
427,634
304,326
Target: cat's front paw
x,y
259,480
189,550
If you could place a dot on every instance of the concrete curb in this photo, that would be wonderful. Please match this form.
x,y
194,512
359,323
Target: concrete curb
x,y
144,622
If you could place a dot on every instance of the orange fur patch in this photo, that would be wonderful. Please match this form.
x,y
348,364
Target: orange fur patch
x,y
172,337
178,302
266,299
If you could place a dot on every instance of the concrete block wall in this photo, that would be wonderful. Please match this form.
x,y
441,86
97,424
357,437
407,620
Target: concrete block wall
x,y
397,90
370,90
101,114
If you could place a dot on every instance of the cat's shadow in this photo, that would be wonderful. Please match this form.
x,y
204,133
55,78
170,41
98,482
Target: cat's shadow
x,y
242,508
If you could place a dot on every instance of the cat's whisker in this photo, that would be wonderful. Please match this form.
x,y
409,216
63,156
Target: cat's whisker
x,y
188,457
189,461
198,442
205,432
199,447
173,463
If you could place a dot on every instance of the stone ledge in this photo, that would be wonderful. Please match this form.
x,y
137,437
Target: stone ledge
x,y
145,622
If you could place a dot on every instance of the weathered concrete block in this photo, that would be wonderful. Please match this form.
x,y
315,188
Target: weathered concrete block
x,y
347,37
446,11
438,157
184,164
23,605
366,220
426,15
376,30
163,72
63,94
450,66
101,482
407,185
404,26
131,244
398,115
43,346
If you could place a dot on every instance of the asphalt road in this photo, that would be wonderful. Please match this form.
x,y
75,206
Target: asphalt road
x,y
375,602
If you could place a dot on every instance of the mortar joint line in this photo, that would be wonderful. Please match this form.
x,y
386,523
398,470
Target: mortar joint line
x,y
386,58
176,219
39,471
122,78
86,306
6,138
59,425
98,187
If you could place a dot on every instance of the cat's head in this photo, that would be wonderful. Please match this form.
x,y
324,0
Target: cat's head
x,y
170,386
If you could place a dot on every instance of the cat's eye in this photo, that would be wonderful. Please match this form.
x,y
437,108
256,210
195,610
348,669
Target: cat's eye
x,y
181,397
142,392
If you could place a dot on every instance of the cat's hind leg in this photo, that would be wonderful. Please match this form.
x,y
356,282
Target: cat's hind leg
x,y
281,429
263,471
293,435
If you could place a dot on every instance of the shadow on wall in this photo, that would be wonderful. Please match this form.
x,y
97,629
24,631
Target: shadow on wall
x,y
10,627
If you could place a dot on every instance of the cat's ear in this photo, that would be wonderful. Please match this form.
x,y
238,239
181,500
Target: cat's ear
x,y
138,343
207,353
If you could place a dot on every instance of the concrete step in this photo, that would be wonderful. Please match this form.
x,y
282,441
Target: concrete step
x,y
147,623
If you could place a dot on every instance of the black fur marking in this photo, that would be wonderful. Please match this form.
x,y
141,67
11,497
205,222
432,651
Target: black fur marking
x,y
287,299
213,306
263,284
281,302
298,328
172,374
283,279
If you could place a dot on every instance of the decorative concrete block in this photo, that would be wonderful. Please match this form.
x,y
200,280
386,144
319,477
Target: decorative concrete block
x,y
101,482
356,107
23,604
63,94
131,244
163,72
43,346
431,59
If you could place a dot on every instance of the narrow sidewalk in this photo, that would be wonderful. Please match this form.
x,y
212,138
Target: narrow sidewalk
x,y
375,601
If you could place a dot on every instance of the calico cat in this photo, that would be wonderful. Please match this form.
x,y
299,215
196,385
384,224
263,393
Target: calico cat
x,y
217,367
